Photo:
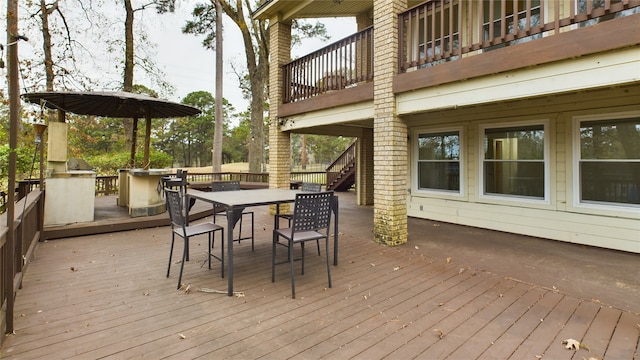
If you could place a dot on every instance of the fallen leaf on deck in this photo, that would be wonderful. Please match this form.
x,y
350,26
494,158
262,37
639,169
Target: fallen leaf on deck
x,y
182,336
571,344
448,260
397,268
439,332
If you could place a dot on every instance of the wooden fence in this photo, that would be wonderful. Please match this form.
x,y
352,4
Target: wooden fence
x,y
16,250
109,184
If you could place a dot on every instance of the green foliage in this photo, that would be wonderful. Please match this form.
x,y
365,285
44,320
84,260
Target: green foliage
x,y
24,159
320,148
189,140
90,135
235,144
108,164
305,30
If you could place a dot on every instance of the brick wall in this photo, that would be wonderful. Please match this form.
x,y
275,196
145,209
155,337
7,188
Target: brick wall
x,y
279,142
390,132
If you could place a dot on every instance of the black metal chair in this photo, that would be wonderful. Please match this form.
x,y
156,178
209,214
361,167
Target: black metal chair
x,y
179,227
311,222
230,186
304,187
178,182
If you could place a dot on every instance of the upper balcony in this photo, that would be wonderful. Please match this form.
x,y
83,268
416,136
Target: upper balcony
x,y
437,33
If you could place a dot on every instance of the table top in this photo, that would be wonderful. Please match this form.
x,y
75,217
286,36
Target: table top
x,y
245,198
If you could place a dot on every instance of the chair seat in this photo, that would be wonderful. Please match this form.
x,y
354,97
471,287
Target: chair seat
x,y
198,229
300,236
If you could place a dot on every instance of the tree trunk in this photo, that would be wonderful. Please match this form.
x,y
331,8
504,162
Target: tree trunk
x,y
257,66
127,84
46,48
46,44
216,152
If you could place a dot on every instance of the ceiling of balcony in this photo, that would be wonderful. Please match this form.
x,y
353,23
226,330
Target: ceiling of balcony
x,y
289,9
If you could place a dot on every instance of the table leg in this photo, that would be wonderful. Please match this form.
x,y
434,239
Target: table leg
x,y
276,222
230,223
186,219
335,231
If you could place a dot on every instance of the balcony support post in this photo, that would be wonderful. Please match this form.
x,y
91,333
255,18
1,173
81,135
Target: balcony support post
x,y
279,141
390,153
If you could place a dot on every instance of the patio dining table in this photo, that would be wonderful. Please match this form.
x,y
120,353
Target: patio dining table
x,y
234,203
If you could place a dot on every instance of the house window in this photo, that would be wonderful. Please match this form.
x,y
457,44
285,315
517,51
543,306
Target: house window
x,y
439,161
514,161
609,163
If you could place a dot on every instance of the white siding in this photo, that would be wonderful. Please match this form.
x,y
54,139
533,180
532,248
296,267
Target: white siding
x,y
558,219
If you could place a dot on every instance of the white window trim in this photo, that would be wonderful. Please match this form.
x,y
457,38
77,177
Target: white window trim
x,y
547,161
575,134
414,181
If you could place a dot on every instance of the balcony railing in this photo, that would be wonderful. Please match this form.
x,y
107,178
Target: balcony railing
x,y
444,30
340,65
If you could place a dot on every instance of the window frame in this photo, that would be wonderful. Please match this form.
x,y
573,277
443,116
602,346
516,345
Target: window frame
x,y
461,161
577,158
546,199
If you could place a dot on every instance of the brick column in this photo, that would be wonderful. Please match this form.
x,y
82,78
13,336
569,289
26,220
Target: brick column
x,y
364,173
279,142
390,152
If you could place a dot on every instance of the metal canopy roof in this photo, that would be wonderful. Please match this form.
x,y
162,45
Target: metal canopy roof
x,y
118,104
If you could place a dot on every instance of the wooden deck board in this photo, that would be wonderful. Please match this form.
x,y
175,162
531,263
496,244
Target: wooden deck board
x,y
512,338
575,328
620,347
117,303
421,327
473,322
599,333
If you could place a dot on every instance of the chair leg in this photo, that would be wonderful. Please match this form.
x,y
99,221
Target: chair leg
x,y
210,238
252,233
222,253
327,256
170,253
273,257
302,249
293,282
318,244
252,229
184,256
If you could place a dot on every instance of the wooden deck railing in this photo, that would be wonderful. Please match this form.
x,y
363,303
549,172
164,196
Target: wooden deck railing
x,y
109,184
343,161
16,250
442,30
340,65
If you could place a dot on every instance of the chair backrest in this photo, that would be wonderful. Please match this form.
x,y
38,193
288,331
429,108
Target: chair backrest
x,y
179,181
182,175
312,211
311,187
225,185
174,205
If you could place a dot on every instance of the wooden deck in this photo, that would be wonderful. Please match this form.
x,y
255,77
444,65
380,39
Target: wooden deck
x,y
106,296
